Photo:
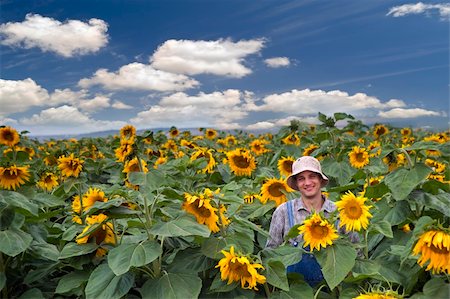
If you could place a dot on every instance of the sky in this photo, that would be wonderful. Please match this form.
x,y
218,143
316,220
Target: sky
x,y
73,67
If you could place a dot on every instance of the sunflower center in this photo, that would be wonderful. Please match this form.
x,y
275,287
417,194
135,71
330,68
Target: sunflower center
x,y
8,136
134,168
12,174
240,269
99,236
48,179
287,166
241,161
202,211
353,211
359,157
319,231
275,190
73,165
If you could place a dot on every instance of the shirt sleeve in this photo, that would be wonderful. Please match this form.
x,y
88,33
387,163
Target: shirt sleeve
x,y
276,229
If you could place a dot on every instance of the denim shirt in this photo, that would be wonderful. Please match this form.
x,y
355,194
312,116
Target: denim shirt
x,y
279,226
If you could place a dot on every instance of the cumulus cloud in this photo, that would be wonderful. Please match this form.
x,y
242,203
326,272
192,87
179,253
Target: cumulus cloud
x,y
67,39
221,57
217,109
307,102
261,125
138,76
67,120
97,103
19,96
408,113
419,8
121,106
277,62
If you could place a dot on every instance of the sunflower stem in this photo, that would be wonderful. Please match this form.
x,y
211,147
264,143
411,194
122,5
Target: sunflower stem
x,y
366,244
266,289
408,158
318,291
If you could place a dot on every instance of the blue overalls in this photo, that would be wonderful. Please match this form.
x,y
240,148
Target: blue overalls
x,y
308,266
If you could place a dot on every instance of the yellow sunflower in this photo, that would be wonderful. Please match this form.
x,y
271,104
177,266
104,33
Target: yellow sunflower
x,y
285,166
317,232
124,150
210,134
207,154
202,209
373,182
70,166
103,235
88,200
374,149
234,267
174,132
406,131
127,132
380,130
9,136
13,176
258,146
353,212
230,140
292,139
310,149
390,294
250,198
241,162
133,166
435,165
275,189
394,161
48,181
433,246
359,157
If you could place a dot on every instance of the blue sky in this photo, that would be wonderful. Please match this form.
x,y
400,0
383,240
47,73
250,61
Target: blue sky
x,y
70,67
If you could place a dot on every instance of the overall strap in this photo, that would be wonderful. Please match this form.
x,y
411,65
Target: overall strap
x,y
290,213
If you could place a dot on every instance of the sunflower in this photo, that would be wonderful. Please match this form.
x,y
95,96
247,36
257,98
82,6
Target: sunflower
x,y
211,134
103,235
310,149
207,154
275,189
292,139
234,267
188,144
9,136
161,160
394,161
354,214
406,131
70,166
133,166
374,181
390,294
174,132
241,162
317,232
170,145
50,160
285,166
440,138
250,198
202,209
92,196
435,165
359,157
127,132
48,181
258,146
13,176
434,246
230,140
124,150
374,149
380,130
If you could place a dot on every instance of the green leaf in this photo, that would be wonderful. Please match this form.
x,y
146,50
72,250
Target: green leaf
x,y
365,269
70,233
398,213
382,227
48,200
116,202
298,290
73,249
45,250
2,280
190,260
402,181
251,225
14,241
125,256
342,171
18,200
341,116
212,247
241,241
262,210
71,281
439,202
436,288
182,226
103,283
276,274
33,293
172,286
6,216
287,254
336,261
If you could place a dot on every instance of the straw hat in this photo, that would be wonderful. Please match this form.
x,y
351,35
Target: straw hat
x,y
302,164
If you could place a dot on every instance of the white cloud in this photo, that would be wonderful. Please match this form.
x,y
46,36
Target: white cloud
x,y
419,8
97,103
120,105
217,109
262,125
277,62
408,113
307,102
19,96
221,57
66,96
66,120
139,76
67,39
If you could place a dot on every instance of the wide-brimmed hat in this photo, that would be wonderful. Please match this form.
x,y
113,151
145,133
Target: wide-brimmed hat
x,y
302,164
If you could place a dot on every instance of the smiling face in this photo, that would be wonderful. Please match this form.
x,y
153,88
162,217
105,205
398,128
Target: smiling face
x,y
309,184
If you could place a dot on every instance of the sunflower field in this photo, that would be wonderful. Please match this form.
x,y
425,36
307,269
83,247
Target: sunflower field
x,y
184,214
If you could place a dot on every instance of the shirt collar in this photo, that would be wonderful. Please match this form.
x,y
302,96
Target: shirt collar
x,y
327,205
